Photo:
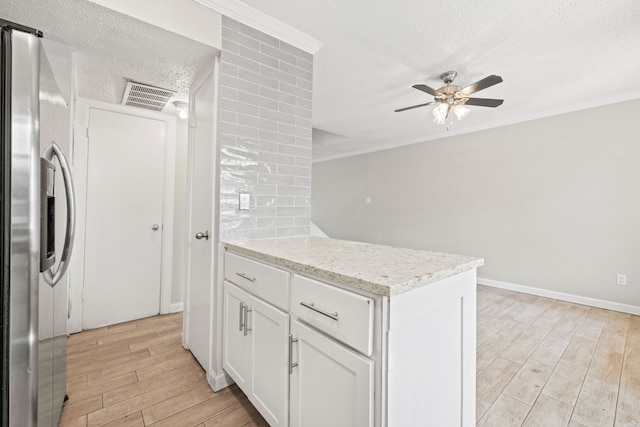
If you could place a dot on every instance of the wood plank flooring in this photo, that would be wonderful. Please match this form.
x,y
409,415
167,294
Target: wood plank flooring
x,y
137,374
540,362
543,362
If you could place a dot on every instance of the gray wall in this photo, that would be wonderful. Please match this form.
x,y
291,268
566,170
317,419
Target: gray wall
x,y
552,203
265,135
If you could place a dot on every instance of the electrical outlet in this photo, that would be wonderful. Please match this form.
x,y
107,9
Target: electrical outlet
x,y
621,279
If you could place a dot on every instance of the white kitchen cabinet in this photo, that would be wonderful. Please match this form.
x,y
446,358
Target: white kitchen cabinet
x,y
388,341
255,352
330,385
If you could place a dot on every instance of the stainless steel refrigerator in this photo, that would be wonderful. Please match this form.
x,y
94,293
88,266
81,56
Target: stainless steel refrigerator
x,y
33,309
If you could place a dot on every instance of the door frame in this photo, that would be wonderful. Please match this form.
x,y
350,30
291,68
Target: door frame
x,y
215,317
79,160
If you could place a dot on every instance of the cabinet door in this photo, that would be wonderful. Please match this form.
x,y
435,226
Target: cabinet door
x,y
331,386
236,355
269,390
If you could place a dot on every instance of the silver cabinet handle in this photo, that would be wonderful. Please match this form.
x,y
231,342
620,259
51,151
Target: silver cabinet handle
x,y
311,306
246,319
246,276
200,235
49,276
155,227
241,318
291,364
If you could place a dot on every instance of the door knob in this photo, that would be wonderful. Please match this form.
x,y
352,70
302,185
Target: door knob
x,y
201,235
155,227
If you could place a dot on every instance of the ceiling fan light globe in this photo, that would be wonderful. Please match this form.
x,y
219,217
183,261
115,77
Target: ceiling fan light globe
x,y
461,111
440,113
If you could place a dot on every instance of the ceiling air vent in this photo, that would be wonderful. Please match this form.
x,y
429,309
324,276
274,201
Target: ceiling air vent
x,y
147,97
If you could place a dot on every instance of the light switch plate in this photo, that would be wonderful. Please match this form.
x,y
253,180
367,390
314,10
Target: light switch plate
x,y
244,201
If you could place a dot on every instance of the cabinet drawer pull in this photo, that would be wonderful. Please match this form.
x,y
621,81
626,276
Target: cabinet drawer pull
x,y
311,306
246,319
241,319
291,364
246,276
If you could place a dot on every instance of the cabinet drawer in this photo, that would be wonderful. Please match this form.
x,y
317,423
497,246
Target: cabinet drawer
x,y
265,282
344,315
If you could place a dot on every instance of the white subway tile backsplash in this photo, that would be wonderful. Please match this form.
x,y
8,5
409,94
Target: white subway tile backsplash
x,y
303,201
304,142
238,106
257,145
257,122
292,231
276,179
293,211
275,201
295,150
277,53
296,71
257,101
228,70
305,65
265,135
285,98
258,78
239,130
302,221
241,61
258,35
295,90
302,181
282,159
278,75
265,190
286,190
297,52
278,137
293,170
292,108
278,116
229,46
303,103
241,39
273,222
258,56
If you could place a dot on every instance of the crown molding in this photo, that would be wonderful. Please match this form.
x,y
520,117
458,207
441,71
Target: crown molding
x,y
261,21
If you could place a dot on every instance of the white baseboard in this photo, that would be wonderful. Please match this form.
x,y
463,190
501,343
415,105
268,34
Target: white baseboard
x,y
593,302
175,307
218,381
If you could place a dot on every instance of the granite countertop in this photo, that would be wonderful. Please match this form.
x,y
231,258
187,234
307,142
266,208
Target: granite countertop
x,y
383,270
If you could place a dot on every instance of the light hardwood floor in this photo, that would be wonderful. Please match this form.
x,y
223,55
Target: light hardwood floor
x,y
137,374
541,362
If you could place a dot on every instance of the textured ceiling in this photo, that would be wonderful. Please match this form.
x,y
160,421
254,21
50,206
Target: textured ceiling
x,y
554,56
113,48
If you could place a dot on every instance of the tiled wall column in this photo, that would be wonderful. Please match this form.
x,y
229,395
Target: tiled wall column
x,y
265,131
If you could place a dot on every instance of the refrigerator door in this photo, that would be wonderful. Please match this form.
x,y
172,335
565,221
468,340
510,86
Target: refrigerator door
x,y
54,126
20,62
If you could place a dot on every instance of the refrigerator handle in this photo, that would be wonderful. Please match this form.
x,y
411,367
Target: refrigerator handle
x,y
49,276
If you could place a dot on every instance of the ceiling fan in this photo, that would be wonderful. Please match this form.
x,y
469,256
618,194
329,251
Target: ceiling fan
x,y
455,98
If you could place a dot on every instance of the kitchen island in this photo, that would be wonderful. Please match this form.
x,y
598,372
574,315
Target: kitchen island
x,y
324,332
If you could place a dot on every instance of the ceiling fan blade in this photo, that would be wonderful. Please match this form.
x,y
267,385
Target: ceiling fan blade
x,y
414,106
484,102
480,84
427,89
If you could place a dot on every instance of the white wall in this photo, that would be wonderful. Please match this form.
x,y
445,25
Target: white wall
x,y
551,203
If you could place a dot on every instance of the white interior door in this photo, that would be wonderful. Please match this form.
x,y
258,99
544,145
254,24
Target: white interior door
x,y
123,237
199,320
